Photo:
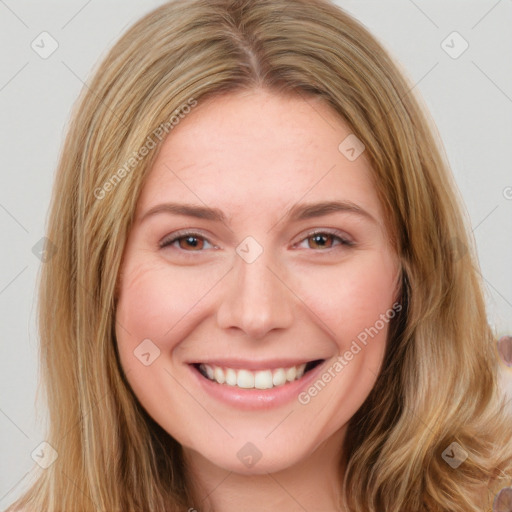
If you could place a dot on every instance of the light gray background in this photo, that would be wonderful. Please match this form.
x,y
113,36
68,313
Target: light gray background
x,y
470,98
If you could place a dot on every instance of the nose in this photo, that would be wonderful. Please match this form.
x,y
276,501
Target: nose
x,y
257,299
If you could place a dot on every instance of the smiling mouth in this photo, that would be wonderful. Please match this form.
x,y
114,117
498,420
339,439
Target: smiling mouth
x,y
261,379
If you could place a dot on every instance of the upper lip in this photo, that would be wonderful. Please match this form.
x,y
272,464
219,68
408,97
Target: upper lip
x,y
245,364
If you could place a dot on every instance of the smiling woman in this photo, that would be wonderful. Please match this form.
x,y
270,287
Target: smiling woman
x,y
275,305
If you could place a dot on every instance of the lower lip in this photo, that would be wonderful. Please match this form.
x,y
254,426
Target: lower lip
x,y
255,399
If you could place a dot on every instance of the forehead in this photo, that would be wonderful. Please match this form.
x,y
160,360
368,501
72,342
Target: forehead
x,y
259,150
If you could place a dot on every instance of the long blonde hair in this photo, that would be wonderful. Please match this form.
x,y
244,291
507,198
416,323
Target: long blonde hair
x,y
438,385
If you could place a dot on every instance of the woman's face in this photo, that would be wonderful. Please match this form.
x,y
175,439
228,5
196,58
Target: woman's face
x,y
259,247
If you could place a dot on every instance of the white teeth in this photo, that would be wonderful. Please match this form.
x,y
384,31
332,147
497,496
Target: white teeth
x,y
247,379
263,380
218,374
279,377
291,373
209,371
231,377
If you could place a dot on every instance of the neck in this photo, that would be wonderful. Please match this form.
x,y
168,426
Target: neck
x,y
313,484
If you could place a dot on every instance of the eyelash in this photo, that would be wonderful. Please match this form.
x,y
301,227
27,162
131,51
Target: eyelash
x,y
167,242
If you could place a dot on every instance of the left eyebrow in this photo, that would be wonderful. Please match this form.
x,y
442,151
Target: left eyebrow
x,y
311,210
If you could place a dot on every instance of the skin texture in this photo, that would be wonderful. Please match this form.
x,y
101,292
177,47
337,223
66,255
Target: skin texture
x,y
254,155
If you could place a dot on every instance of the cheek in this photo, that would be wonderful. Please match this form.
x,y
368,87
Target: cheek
x,y
156,302
354,296
356,307
143,311
150,317
142,308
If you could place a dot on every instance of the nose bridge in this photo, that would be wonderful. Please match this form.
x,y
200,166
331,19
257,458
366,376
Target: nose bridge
x,y
256,301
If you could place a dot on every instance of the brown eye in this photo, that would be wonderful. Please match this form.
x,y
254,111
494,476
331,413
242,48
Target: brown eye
x,y
188,242
324,240
321,240
191,242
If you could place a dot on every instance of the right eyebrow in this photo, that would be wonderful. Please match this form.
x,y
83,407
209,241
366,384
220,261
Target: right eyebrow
x,y
188,210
